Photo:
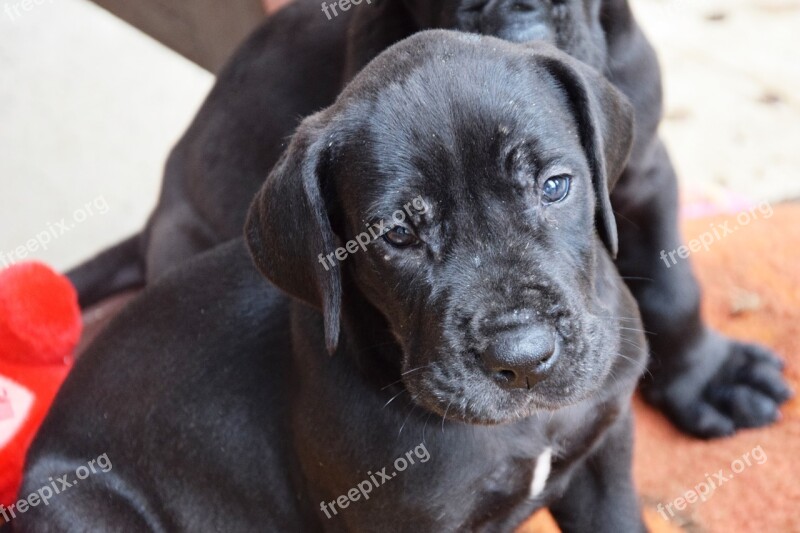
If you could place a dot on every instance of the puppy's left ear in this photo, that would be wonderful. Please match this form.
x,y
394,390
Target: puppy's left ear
x,y
606,128
288,229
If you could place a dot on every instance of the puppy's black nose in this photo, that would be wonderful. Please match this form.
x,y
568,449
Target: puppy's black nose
x,y
521,357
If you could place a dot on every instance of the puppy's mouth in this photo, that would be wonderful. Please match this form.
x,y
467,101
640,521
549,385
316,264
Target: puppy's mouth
x,y
458,387
475,404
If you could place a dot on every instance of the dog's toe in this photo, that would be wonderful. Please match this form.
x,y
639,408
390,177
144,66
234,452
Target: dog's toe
x,y
767,379
703,420
746,407
756,353
744,389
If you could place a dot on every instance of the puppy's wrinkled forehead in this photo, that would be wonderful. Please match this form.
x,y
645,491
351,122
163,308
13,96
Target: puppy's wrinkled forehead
x,y
457,111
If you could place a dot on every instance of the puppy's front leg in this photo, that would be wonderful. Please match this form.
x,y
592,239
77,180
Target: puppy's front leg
x,y
709,385
600,496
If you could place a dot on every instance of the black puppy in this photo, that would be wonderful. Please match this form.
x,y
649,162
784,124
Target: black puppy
x,y
295,64
484,348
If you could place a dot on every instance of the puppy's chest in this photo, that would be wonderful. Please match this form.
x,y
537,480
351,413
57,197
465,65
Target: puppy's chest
x,y
535,475
519,479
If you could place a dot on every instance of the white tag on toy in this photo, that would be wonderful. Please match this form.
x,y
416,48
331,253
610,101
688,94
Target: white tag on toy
x,y
15,405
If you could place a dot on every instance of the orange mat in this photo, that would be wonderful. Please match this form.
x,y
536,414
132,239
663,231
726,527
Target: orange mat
x,y
750,279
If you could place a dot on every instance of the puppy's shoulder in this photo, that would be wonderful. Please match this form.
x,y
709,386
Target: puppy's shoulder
x,y
202,327
202,304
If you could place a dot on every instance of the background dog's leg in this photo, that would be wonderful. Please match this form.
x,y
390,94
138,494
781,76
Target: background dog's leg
x,y
707,384
117,269
175,236
600,496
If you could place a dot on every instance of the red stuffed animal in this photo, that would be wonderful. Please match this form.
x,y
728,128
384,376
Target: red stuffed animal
x,y
40,325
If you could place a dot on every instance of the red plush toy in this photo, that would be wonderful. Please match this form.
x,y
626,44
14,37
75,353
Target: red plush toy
x,y
40,324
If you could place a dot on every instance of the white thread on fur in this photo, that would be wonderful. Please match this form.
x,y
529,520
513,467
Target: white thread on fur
x,y
541,472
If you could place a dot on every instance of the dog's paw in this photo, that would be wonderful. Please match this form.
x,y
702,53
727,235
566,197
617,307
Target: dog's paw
x,y
726,385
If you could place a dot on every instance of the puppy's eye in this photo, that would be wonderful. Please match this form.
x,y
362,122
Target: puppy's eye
x,y
475,7
523,7
401,237
555,189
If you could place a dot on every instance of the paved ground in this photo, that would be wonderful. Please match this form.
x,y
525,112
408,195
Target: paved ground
x,y
732,82
89,108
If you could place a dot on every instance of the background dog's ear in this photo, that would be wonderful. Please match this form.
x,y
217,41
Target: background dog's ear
x,y
606,128
288,227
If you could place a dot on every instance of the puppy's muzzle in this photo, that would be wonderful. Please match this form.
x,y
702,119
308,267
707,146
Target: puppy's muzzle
x,y
521,356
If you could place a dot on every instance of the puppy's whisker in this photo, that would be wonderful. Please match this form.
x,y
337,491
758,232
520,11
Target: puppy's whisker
x,y
631,343
392,398
613,376
631,359
638,330
641,365
390,384
415,369
445,414
410,412
405,374
618,317
620,216
424,426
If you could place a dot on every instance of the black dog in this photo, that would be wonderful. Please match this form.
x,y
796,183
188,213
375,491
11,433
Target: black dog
x,y
484,349
295,64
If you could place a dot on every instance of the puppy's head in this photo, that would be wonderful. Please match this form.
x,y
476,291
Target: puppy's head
x,y
572,25
486,166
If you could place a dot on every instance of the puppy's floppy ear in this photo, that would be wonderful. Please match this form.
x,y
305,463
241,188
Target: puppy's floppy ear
x,y
606,128
288,227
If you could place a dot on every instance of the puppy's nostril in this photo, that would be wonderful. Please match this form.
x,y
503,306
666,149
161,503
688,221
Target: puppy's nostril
x,y
545,358
505,376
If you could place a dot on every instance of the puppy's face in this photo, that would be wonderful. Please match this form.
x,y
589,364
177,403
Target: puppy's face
x,y
488,184
486,273
571,25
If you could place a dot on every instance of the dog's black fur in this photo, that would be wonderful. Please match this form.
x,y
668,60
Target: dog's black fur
x,y
296,63
236,417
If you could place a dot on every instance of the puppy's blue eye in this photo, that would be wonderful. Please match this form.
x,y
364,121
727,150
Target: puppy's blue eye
x,y
400,237
555,189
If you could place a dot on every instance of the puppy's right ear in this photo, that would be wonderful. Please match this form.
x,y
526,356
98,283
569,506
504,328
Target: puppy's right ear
x,y
288,230
605,121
